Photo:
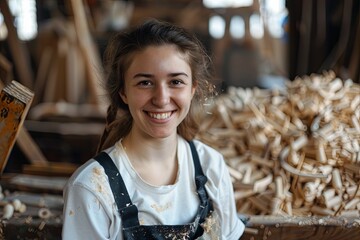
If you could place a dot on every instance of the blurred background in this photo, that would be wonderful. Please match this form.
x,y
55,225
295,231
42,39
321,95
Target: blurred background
x,y
55,49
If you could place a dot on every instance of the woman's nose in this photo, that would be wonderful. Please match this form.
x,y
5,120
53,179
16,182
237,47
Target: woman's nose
x,y
161,95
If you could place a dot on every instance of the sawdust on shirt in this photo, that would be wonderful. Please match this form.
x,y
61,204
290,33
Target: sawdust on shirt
x,y
101,185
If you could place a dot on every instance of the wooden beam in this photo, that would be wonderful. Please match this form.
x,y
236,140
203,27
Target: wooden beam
x,y
6,68
29,147
89,51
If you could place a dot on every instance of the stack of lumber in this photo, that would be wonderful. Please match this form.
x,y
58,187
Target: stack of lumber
x,y
293,151
69,75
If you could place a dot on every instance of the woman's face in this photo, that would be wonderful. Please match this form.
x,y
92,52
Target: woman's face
x,y
158,90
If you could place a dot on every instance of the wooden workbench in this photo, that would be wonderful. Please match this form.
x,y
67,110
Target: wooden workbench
x,y
307,228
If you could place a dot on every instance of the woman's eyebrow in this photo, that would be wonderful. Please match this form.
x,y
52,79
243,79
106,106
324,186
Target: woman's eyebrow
x,y
145,75
178,74
148,75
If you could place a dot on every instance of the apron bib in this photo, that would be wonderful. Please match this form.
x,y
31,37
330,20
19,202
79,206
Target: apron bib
x,y
132,230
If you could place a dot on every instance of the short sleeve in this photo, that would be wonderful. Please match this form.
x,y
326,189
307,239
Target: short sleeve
x,y
232,226
221,191
84,215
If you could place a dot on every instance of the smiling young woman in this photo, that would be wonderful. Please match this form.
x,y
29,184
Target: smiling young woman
x,y
158,91
151,178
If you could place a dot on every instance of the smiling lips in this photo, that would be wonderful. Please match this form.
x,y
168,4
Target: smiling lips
x,y
160,116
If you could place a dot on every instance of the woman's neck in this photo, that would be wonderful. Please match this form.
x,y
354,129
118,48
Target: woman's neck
x,y
150,149
155,160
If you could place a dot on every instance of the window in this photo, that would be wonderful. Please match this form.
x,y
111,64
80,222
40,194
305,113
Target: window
x,y
274,14
24,12
217,27
237,27
256,26
227,3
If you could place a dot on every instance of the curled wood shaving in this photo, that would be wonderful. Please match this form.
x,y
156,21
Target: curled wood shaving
x,y
308,133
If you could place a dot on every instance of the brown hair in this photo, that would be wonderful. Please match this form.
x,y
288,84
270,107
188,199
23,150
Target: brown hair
x,y
118,57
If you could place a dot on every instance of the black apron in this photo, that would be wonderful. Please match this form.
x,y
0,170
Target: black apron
x,y
129,212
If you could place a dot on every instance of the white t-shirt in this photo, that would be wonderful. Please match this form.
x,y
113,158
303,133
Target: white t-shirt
x,y
90,210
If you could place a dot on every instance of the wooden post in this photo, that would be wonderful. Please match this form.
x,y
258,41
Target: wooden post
x,y
6,68
88,49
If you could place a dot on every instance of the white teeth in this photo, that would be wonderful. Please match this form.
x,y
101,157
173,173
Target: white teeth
x,y
160,115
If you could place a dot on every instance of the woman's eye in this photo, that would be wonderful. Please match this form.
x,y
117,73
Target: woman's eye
x,y
144,83
176,82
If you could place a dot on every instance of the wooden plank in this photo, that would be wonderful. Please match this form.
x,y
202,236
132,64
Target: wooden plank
x,y
75,69
47,56
51,201
50,85
89,51
64,109
355,56
5,70
15,101
28,145
51,169
305,37
33,184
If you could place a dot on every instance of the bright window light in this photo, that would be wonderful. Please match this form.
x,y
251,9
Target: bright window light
x,y
227,3
237,27
217,27
275,6
27,24
275,14
24,12
256,26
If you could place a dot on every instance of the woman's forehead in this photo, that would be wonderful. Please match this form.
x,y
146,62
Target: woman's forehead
x,y
155,55
161,48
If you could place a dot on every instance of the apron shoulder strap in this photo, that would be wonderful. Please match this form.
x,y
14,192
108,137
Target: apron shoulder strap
x,y
128,211
206,206
196,159
200,178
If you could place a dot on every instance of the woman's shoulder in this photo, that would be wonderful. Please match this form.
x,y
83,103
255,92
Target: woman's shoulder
x,y
89,175
89,171
91,178
84,174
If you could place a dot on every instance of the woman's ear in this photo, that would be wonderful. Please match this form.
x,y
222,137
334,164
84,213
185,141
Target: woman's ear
x,y
123,96
193,89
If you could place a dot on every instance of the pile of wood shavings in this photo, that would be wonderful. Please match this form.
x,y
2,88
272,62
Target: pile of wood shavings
x,y
291,152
